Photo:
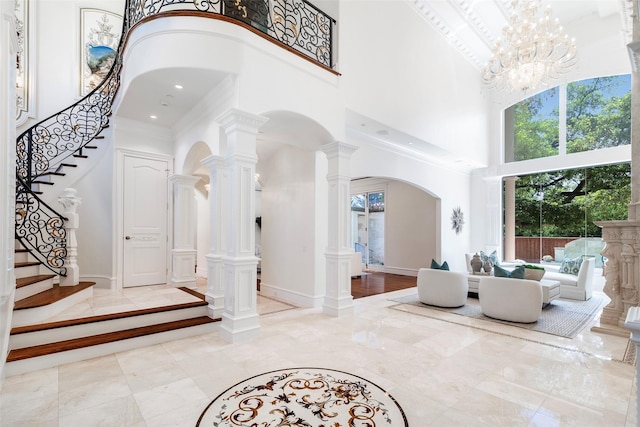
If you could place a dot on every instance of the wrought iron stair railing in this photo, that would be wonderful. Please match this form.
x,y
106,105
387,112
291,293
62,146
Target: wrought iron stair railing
x,y
43,148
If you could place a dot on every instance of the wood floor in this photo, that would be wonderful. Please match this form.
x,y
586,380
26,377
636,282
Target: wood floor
x,y
374,283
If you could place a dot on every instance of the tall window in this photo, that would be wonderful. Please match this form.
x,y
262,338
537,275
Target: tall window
x,y
557,207
367,226
580,116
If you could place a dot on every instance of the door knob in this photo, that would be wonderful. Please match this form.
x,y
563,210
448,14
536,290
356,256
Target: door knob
x,y
127,237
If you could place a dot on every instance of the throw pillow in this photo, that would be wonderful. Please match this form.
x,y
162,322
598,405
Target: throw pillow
x,y
436,266
571,266
517,273
492,258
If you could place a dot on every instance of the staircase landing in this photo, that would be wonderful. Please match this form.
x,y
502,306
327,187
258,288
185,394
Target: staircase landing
x,y
104,322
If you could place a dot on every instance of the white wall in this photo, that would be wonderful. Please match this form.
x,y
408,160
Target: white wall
x,y
8,49
398,70
58,53
411,237
450,186
288,218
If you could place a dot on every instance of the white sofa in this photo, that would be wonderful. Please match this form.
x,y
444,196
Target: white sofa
x,y
577,287
513,300
442,288
356,264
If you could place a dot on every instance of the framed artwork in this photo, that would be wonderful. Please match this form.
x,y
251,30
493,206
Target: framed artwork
x,y
25,62
100,36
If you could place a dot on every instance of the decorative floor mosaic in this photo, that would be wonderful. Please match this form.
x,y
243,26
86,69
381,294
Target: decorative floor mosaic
x,y
304,397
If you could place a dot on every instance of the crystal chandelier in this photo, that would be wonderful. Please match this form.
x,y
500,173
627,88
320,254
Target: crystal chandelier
x,y
534,50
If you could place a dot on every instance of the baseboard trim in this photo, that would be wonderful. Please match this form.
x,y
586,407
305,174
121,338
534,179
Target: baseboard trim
x,y
102,282
291,297
401,271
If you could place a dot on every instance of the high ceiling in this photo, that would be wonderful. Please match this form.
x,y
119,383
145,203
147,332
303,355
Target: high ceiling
x,y
470,26
474,26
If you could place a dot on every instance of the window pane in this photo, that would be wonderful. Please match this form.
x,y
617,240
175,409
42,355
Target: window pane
x,y
598,113
535,127
555,208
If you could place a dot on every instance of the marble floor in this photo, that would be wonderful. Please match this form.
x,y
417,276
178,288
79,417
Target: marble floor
x,y
443,371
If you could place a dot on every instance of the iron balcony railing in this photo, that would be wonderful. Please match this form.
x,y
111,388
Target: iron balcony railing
x,y
296,24
43,148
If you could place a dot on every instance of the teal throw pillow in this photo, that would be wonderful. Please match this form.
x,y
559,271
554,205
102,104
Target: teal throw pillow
x,y
517,273
571,266
436,266
492,258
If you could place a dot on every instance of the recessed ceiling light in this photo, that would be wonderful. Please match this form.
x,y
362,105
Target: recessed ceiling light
x,y
153,117
178,86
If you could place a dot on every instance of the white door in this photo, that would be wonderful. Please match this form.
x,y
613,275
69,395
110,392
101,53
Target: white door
x,y
145,221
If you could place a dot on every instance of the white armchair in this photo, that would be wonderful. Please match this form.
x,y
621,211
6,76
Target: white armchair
x,y
442,288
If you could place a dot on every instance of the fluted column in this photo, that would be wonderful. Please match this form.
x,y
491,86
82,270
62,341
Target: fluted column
x,y
338,300
510,218
183,254
240,318
217,225
70,202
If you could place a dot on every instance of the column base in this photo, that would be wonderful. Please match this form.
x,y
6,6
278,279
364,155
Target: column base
x,y
234,330
216,305
338,306
72,278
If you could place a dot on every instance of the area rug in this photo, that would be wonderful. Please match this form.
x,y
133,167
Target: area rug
x,y
565,318
304,397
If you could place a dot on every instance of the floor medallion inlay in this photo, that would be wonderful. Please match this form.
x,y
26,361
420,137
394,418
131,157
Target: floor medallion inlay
x,y
304,397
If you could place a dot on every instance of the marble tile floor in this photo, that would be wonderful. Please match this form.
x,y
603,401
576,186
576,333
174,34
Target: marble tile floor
x,y
442,372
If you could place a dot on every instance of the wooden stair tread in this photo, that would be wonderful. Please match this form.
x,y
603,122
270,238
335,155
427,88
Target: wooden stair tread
x,y
103,317
76,343
30,280
192,292
50,296
25,264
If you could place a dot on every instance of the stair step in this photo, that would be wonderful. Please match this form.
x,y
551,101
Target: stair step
x,y
26,281
90,147
44,305
33,285
78,343
45,333
26,268
51,296
69,165
80,156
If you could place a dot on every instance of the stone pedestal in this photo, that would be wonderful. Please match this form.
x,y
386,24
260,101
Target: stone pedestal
x,y
632,323
621,271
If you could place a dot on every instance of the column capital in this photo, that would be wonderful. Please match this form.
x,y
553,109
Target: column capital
x,y
213,162
511,178
338,148
183,179
234,119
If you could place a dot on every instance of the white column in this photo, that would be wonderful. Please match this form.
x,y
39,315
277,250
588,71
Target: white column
x,y
510,218
217,225
338,300
240,317
70,202
183,254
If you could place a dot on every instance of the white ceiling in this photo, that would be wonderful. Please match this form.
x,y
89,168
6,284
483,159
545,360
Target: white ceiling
x,y
471,26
